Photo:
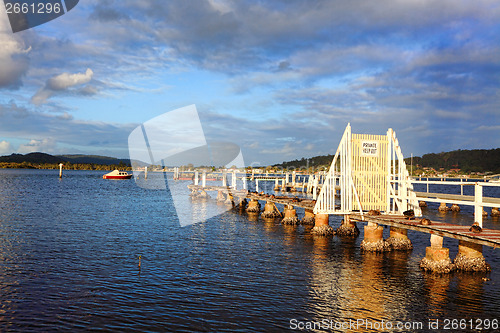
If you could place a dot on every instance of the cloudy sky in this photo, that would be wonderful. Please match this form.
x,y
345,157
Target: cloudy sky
x,y
279,78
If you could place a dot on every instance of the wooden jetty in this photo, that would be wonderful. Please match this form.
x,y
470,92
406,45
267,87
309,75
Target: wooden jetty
x,y
486,237
368,182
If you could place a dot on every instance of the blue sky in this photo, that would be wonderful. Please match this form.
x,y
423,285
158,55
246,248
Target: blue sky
x,y
279,78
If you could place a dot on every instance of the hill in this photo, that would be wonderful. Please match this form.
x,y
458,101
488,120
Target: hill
x,y
93,159
477,160
40,158
46,161
304,163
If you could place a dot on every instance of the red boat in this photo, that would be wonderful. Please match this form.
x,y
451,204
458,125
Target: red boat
x,y
116,174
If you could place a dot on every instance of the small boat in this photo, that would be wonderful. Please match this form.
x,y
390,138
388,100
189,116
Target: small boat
x,y
116,174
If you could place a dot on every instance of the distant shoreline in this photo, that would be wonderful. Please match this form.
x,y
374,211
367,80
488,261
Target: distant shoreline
x,y
67,166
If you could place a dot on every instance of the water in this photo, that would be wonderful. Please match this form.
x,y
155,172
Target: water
x,y
69,262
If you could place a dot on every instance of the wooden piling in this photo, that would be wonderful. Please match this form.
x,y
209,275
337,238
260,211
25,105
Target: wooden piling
x,y
308,217
373,240
253,206
470,258
495,212
437,257
348,228
270,210
322,226
443,207
290,215
398,239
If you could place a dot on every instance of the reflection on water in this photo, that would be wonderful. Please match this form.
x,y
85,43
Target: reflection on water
x,y
467,285
69,253
437,286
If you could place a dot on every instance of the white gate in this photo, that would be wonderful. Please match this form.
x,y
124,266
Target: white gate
x,y
371,173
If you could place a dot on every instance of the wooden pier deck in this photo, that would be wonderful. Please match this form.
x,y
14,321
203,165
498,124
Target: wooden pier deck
x,y
285,200
486,237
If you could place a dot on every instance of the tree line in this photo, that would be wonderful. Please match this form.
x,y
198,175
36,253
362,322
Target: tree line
x,y
67,166
477,160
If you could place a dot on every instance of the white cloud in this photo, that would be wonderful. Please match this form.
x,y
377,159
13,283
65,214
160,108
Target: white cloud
x,y
253,145
47,145
66,80
5,148
288,150
63,82
14,61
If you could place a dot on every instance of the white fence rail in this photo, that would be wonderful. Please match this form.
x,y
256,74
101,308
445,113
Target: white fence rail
x,y
477,200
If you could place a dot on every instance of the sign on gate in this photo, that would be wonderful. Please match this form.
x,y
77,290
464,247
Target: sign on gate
x,y
369,170
371,174
369,149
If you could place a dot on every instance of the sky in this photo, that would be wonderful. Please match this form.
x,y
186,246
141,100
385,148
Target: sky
x,y
281,79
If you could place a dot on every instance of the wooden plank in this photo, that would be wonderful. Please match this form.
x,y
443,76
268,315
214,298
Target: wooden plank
x,y
488,237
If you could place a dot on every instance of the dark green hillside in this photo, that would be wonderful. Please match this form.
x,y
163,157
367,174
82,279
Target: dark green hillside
x,y
93,159
478,160
72,162
40,158
304,163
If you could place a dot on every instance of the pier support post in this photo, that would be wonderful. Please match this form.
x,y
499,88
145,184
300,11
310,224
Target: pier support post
x,y
308,217
203,195
399,240
321,225
470,258
290,215
443,207
220,196
347,228
270,211
495,212
253,206
437,257
373,240
242,205
276,185
229,199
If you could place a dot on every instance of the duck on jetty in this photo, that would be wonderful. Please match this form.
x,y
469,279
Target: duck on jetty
x,y
409,214
475,228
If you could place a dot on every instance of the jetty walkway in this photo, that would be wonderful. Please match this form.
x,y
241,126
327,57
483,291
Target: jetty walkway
x,y
368,182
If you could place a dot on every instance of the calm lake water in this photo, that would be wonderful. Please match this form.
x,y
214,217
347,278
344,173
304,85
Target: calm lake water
x,y
69,253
